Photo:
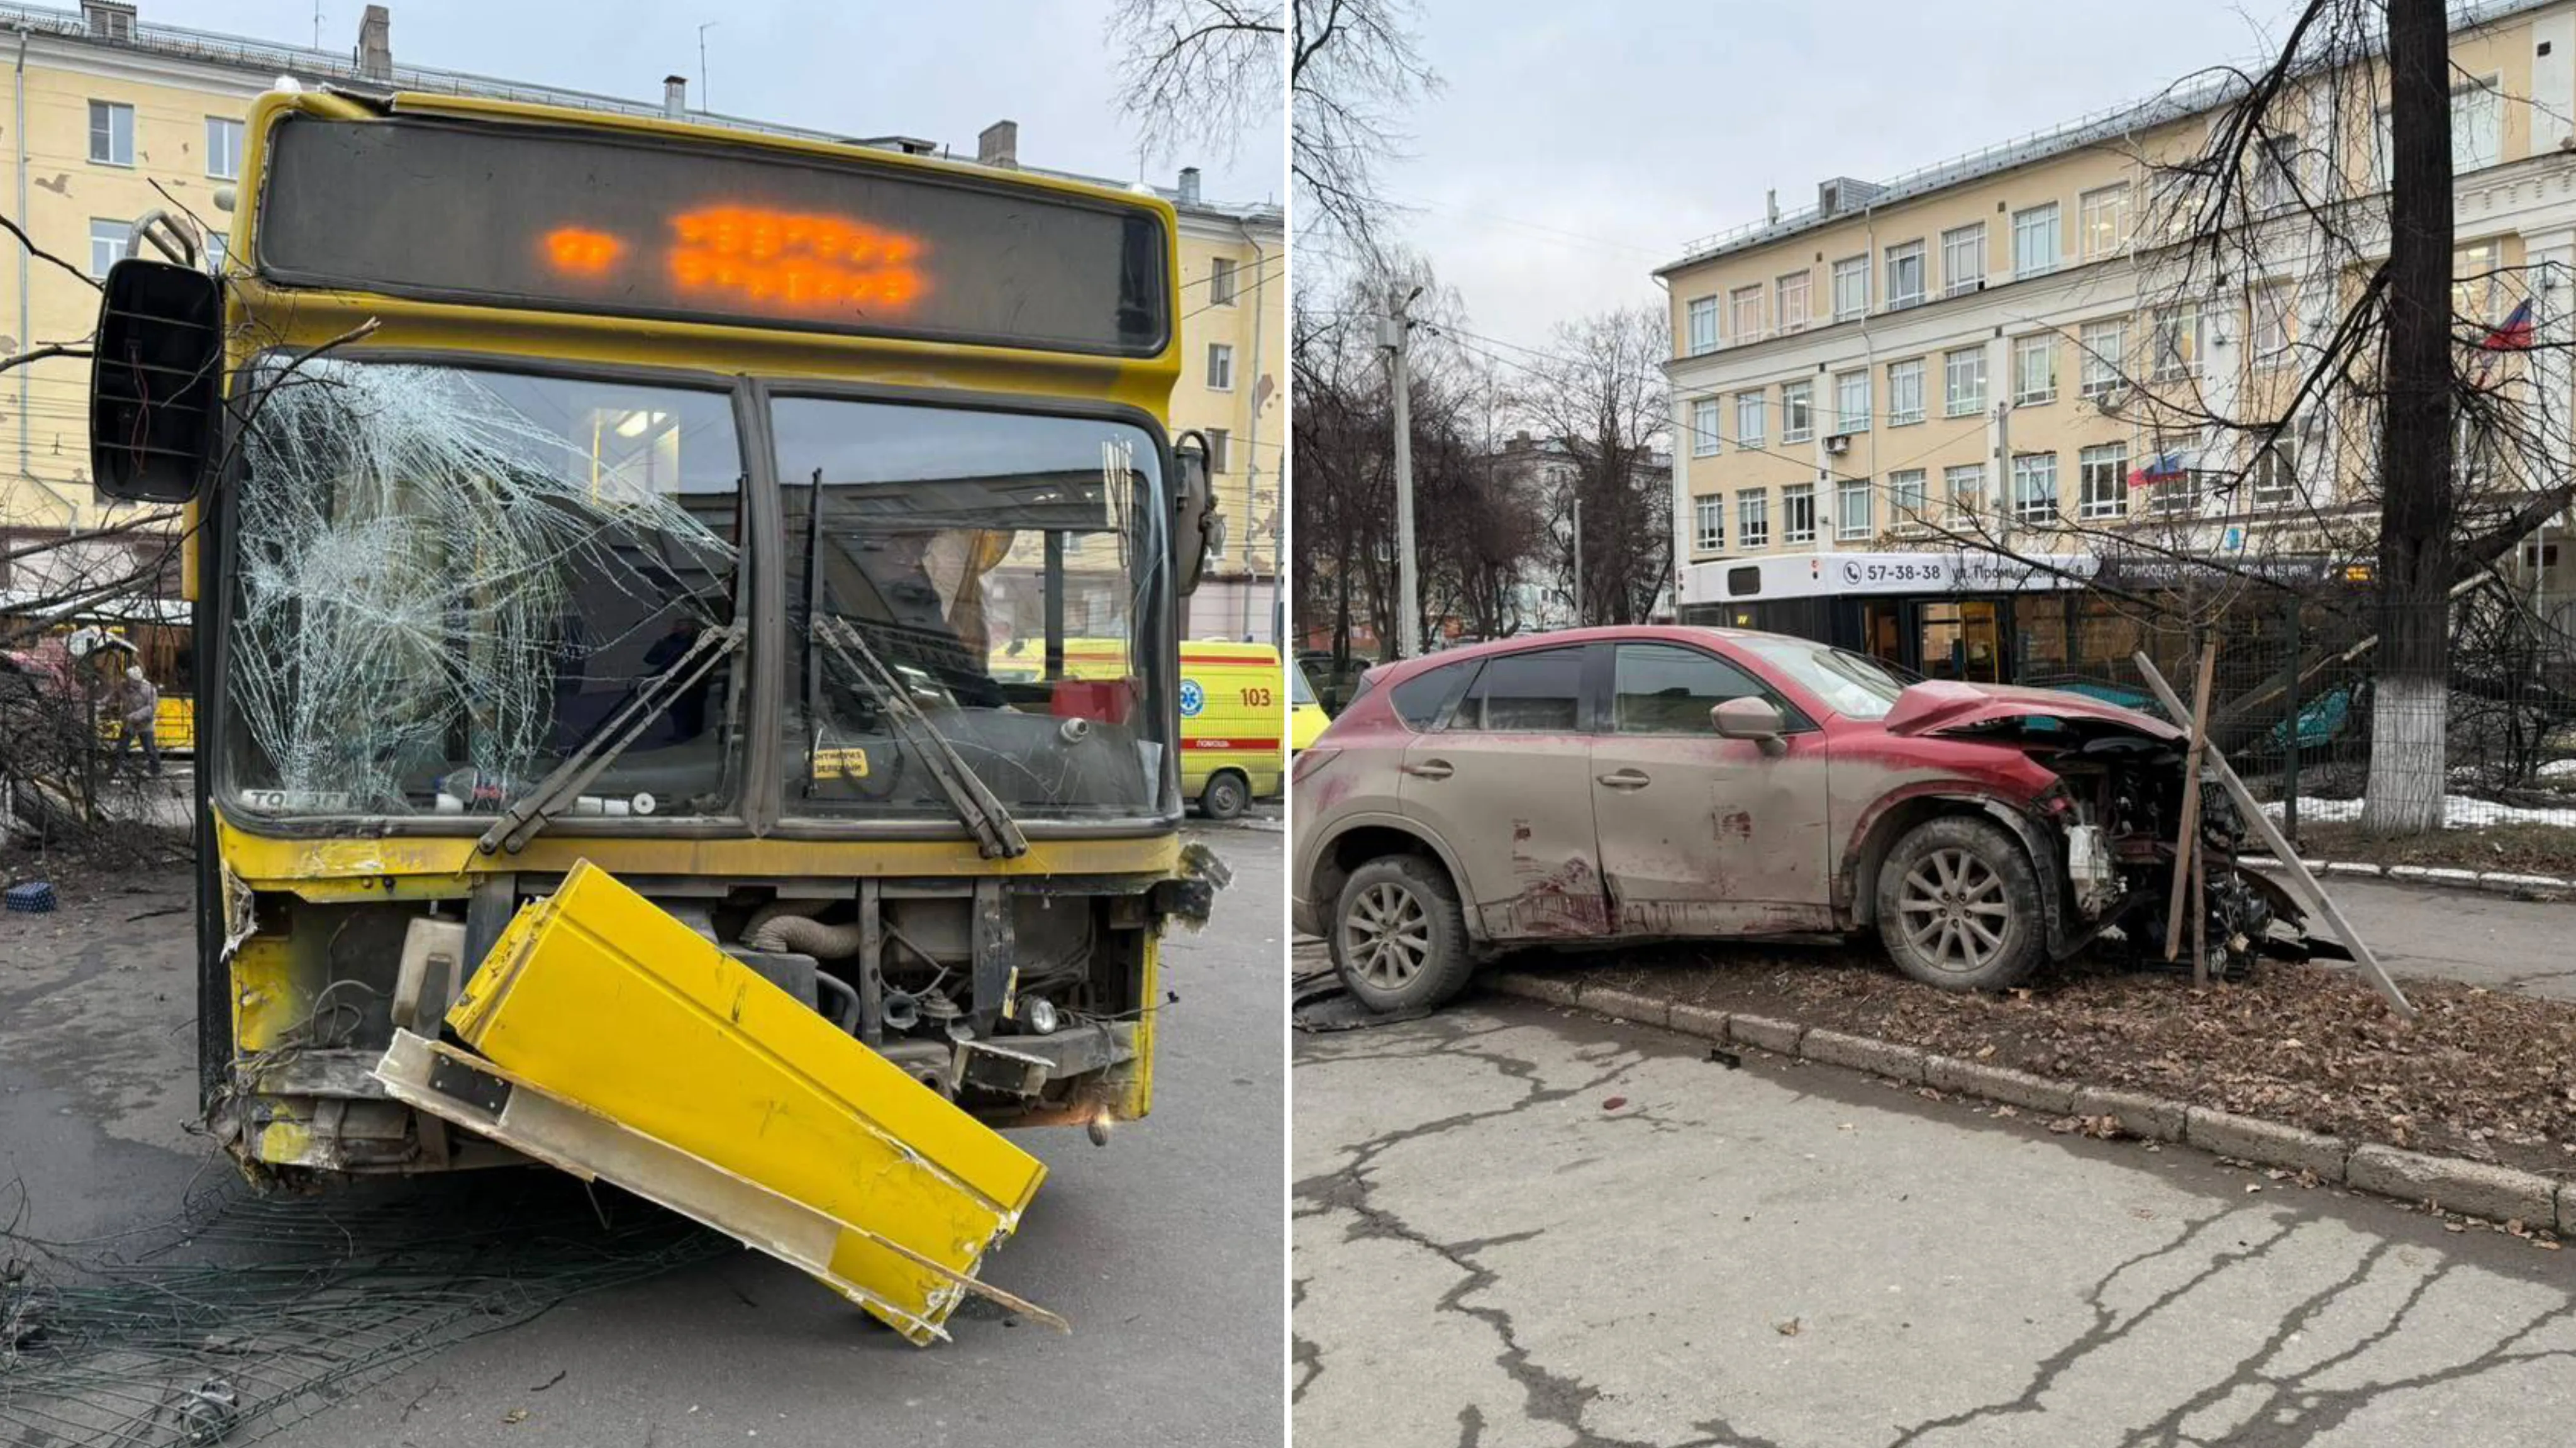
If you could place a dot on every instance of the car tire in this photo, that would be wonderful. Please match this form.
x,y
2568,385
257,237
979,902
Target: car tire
x,y
1399,937
1224,796
1959,907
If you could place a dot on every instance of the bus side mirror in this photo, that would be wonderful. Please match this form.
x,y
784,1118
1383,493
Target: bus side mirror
x,y
1198,529
155,382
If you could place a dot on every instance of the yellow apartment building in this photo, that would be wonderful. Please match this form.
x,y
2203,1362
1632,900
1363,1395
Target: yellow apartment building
x,y
1234,349
1992,346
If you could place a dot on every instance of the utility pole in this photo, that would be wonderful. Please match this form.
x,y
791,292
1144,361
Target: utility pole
x,y
1578,551
1396,335
2005,501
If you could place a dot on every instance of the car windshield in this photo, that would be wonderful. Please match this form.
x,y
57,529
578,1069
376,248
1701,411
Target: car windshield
x,y
448,580
1852,685
1004,568
1301,691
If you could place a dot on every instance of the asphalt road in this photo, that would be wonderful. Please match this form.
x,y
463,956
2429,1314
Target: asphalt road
x,y
1163,1247
1515,1226
2490,940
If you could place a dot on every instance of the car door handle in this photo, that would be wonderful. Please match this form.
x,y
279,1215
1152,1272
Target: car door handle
x,y
1624,779
1430,769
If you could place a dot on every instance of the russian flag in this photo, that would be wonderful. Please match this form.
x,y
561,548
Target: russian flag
x,y
2515,334
2162,468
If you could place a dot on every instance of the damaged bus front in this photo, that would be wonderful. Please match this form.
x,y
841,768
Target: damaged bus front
x,y
572,489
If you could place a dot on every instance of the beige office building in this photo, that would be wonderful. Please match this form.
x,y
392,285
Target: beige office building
x,y
1988,347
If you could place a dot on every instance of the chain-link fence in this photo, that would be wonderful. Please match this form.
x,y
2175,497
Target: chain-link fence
x,y
2308,710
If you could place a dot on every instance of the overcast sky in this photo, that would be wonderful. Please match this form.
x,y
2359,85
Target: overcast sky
x,y
941,71
1577,147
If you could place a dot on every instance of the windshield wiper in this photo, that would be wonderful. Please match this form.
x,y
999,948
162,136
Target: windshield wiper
x,y
997,835
520,823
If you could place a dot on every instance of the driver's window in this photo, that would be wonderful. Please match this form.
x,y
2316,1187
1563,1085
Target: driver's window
x,y
1668,689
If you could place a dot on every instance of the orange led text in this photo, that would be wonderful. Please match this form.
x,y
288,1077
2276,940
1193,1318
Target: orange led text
x,y
581,251
796,262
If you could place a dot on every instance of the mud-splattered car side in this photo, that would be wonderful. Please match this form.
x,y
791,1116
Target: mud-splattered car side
x,y
1662,782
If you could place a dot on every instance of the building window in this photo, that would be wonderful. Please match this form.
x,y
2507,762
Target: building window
x,y
1851,287
1852,504
1220,367
219,245
1219,455
1966,486
1710,514
1703,325
1798,513
2475,279
2276,170
2034,486
1851,402
1963,382
1904,275
2177,343
111,133
2274,475
2035,241
2102,481
106,244
1753,518
2104,216
1704,428
1797,411
2034,370
1904,392
1221,282
1963,259
2106,345
1905,498
2276,324
2477,131
1748,419
1790,304
1744,314
223,148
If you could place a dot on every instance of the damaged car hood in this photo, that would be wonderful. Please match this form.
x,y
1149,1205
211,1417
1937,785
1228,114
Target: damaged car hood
x,y
1945,705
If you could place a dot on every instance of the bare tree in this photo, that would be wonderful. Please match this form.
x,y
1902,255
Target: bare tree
x,y
1192,69
1601,392
1354,68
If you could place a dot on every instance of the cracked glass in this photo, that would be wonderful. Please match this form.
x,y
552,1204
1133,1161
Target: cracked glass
x,y
449,580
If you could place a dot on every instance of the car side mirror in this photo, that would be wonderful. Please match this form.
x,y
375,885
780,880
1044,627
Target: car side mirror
x,y
1751,718
155,381
1198,529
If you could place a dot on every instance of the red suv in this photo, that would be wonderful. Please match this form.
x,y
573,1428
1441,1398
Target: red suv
x,y
1660,782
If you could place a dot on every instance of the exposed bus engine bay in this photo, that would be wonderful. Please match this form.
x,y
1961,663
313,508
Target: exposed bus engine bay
x,y
1021,1000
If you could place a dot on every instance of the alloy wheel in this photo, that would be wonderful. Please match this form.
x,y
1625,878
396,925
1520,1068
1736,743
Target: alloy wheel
x,y
1953,911
1386,936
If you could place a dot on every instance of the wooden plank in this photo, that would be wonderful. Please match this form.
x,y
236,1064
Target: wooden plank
x,y
2187,835
2289,858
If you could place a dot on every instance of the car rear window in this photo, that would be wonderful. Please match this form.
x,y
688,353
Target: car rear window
x,y
1533,693
1420,700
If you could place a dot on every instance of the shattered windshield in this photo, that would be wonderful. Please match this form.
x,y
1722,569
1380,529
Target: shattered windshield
x,y
448,580
1850,684
1004,567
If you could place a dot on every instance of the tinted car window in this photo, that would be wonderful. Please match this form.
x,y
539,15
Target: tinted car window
x,y
1419,700
1668,689
1525,693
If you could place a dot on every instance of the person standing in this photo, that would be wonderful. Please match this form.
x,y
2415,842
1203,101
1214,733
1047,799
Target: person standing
x,y
139,710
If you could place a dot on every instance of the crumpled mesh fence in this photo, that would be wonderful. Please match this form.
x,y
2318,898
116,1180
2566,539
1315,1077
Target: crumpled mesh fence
x,y
416,558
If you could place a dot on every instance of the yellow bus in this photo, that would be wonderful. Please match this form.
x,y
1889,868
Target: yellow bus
x,y
567,487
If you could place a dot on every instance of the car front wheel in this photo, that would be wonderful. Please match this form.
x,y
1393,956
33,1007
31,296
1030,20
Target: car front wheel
x,y
1399,937
1958,905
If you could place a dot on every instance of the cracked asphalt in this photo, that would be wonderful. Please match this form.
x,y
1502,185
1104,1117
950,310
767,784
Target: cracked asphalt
x,y
1519,1225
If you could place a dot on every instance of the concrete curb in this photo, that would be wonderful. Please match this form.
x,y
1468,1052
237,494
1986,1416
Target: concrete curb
x,y
2451,1183
2491,882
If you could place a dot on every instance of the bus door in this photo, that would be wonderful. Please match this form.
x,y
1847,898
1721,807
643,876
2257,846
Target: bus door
x,y
1962,639
1883,632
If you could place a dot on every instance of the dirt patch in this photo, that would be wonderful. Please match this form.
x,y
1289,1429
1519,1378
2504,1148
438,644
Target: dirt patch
x,y
2485,1075
2521,849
